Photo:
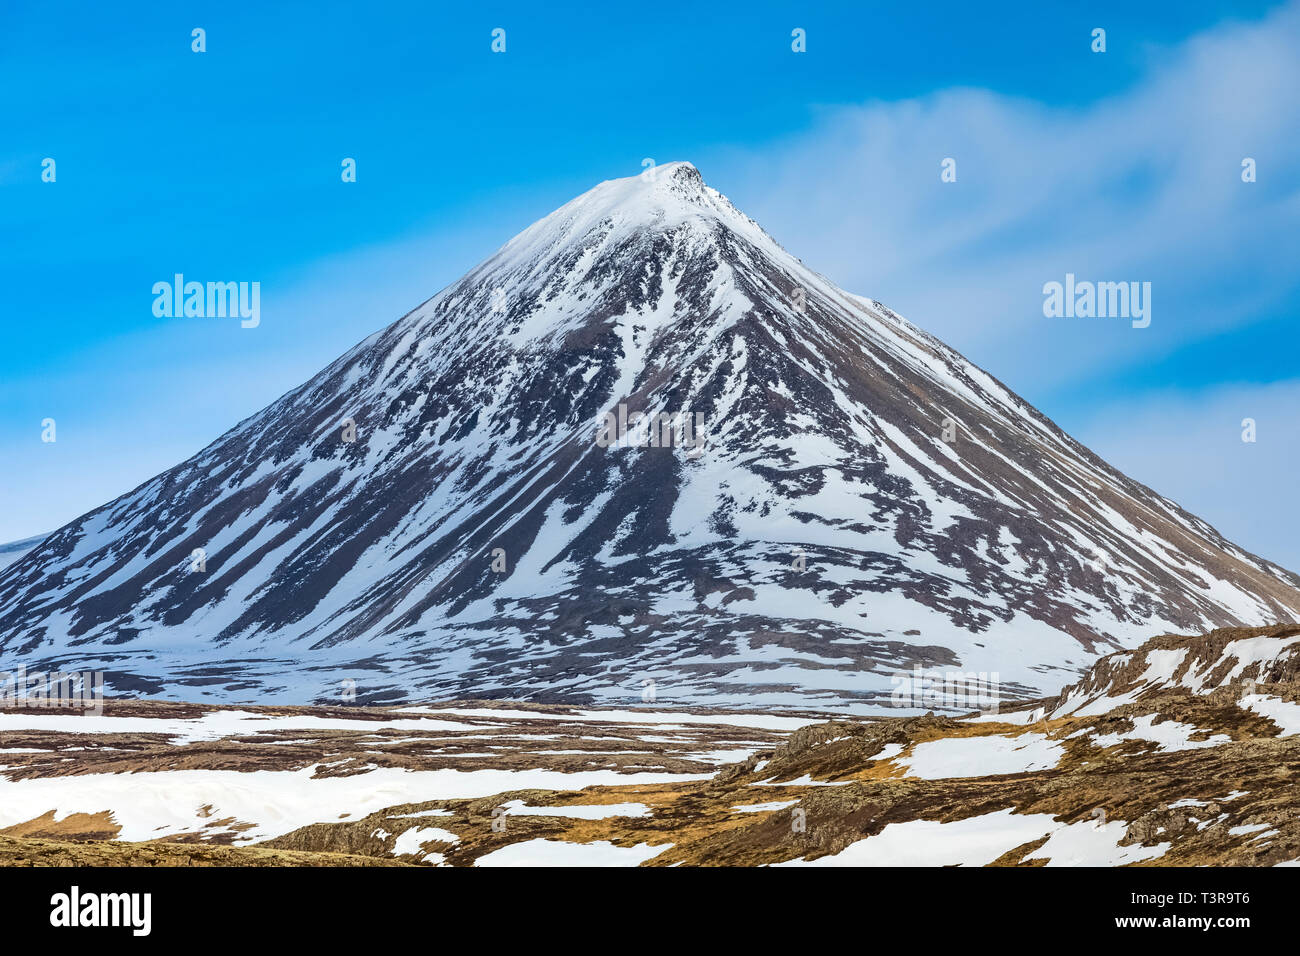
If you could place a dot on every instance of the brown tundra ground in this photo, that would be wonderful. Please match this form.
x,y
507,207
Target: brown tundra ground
x,y
1182,752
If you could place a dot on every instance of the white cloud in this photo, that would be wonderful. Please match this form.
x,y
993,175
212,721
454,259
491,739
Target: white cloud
x,y
1142,186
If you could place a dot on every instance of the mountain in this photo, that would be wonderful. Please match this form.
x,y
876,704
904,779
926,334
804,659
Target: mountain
x,y
1233,660
864,500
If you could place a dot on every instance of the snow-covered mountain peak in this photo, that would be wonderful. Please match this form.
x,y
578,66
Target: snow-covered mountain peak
x,y
434,510
660,200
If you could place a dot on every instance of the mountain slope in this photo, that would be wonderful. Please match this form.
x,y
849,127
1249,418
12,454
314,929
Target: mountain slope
x,y
1185,759
477,539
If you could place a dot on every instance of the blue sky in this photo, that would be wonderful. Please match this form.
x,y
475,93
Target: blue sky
x,y
1123,165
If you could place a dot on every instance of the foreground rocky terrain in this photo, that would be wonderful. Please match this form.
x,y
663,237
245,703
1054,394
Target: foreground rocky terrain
x,y
1185,751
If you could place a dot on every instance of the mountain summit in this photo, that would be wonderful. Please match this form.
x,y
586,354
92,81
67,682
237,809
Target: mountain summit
x,y
441,512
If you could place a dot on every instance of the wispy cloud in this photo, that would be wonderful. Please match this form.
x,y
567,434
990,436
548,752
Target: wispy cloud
x,y
1142,186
